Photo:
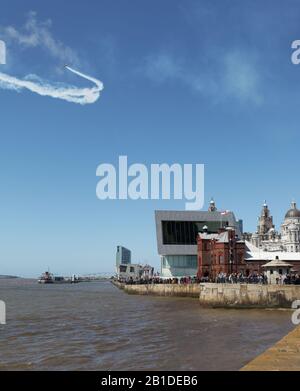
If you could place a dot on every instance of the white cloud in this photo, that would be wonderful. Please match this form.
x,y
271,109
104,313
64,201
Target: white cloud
x,y
38,34
233,75
241,78
162,67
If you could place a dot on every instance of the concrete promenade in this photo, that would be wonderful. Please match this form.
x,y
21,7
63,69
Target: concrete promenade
x,y
283,356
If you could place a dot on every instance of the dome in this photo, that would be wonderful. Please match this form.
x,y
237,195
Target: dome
x,y
293,212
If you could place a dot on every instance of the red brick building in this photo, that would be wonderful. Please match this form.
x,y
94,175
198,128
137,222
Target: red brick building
x,y
221,252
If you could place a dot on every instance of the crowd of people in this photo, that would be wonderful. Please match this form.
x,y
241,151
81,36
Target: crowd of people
x,y
290,279
240,278
160,280
221,278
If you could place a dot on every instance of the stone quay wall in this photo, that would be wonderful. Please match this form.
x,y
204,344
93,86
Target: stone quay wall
x,y
118,284
248,295
179,290
223,295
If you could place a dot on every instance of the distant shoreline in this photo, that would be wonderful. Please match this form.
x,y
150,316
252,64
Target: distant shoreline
x,y
3,277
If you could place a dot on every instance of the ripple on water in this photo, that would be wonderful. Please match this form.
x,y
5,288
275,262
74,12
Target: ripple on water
x,y
98,327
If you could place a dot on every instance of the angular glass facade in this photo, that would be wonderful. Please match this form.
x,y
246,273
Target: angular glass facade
x,y
179,265
176,233
185,232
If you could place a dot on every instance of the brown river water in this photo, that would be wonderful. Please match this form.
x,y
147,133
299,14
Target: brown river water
x,y
95,326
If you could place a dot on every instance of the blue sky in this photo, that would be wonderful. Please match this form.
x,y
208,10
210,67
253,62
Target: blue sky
x,y
184,81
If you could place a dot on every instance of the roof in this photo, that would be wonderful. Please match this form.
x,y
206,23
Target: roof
x,y
195,215
221,237
277,263
293,212
188,215
254,253
205,235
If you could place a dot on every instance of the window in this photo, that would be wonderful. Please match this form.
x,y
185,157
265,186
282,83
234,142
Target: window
x,y
180,261
123,268
131,269
185,232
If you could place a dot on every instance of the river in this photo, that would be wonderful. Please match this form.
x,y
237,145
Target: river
x,y
95,326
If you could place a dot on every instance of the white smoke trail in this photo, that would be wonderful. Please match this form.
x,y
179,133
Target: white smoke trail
x,y
69,93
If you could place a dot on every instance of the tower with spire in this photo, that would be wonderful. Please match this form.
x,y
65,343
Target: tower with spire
x,y
265,222
268,239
